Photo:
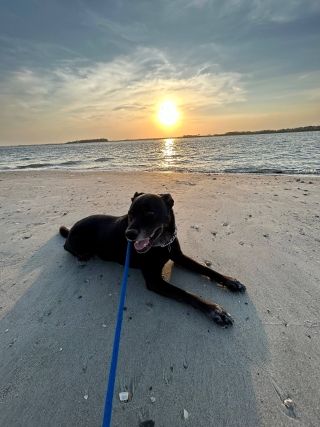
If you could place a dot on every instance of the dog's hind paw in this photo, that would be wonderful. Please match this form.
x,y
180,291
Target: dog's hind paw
x,y
233,285
220,316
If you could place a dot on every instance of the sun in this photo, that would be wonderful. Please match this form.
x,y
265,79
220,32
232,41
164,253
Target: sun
x,y
168,114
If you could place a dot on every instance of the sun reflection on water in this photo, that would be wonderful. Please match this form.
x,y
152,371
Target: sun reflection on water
x,y
168,151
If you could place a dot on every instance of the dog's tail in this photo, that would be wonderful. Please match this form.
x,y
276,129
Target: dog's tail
x,y
64,231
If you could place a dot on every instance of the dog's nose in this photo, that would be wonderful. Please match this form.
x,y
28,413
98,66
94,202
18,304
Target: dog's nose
x,y
131,234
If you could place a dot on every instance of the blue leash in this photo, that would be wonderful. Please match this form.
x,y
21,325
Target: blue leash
x,y
116,343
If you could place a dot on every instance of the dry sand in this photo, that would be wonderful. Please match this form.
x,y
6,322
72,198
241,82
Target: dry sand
x,y
58,316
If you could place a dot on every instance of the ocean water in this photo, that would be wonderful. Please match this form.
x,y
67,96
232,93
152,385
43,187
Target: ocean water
x,y
291,153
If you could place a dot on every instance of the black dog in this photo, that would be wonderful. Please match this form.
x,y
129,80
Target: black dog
x,y
150,224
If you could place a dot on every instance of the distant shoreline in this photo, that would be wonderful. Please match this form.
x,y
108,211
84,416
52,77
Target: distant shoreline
x,y
85,141
232,133
267,131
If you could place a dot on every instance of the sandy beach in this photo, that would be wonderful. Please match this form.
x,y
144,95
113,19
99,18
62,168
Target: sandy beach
x,y
57,315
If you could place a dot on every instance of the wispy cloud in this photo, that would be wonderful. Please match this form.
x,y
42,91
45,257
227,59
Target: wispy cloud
x,y
257,10
16,51
282,12
133,32
130,85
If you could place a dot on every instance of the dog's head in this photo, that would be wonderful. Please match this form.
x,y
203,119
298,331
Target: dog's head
x,y
150,221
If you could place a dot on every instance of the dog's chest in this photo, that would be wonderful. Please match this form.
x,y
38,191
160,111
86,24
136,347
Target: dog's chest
x,y
156,256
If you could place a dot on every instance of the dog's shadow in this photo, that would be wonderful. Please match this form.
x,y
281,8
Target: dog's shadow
x,y
58,344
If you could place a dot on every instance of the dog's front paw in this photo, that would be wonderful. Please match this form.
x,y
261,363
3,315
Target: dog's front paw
x,y
233,285
220,316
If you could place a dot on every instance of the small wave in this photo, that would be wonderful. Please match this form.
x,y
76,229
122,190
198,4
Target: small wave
x,y
271,171
102,159
69,163
35,166
254,170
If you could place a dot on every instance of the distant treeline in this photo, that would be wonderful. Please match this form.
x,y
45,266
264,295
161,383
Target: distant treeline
x,y
256,132
81,141
248,132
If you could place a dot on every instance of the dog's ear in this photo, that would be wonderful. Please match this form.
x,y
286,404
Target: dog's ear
x,y
167,199
136,194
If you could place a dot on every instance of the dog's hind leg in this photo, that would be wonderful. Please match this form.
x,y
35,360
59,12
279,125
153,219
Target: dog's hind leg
x,y
81,256
156,283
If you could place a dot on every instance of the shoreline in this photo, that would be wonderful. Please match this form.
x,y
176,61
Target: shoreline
x,y
134,172
57,316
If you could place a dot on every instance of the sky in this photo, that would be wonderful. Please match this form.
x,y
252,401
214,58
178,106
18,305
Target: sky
x,y
80,69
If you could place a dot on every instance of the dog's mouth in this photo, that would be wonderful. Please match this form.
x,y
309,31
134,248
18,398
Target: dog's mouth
x,y
144,245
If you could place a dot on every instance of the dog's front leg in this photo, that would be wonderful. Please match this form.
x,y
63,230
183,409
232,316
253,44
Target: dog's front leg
x,y
184,261
156,283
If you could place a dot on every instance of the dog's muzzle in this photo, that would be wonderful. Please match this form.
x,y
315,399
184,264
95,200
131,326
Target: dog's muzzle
x,y
142,245
132,234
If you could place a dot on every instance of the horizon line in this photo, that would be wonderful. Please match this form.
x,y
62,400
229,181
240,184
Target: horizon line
x,y
308,128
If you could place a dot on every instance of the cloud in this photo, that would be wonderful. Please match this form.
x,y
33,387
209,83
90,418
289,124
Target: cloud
x,y
129,86
250,10
196,3
130,107
133,32
282,12
16,51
